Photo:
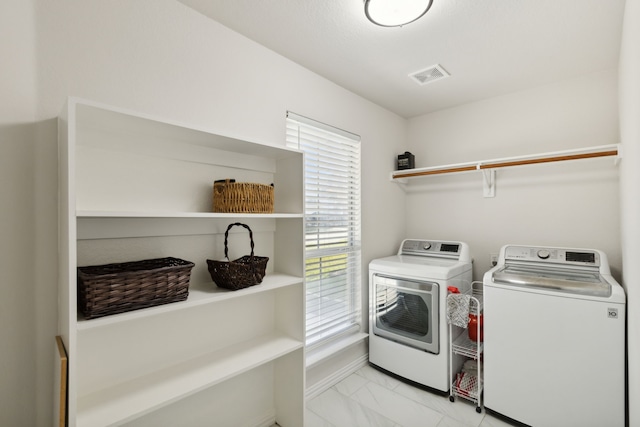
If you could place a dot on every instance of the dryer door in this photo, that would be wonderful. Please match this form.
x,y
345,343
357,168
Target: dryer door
x,y
406,311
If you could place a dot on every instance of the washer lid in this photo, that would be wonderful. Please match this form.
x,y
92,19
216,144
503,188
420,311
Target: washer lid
x,y
571,281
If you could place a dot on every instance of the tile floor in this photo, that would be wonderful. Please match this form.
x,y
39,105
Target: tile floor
x,y
370,398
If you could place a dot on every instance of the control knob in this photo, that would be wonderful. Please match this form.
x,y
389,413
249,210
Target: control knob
x,y
426,246
543,254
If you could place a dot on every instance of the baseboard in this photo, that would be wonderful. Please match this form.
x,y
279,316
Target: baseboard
x,y
336,377
319,355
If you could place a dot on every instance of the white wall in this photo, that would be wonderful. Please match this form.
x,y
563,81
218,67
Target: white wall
x,y
574,204
165,59
161,58
630,193
17,132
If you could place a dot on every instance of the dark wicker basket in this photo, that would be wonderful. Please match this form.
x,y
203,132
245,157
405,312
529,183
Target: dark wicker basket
x,y
117,288
241,273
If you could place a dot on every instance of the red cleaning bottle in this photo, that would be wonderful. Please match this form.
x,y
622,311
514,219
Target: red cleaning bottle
x,y
473,327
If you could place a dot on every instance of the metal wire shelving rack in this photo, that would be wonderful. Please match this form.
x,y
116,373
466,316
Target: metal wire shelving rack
x,y
467,385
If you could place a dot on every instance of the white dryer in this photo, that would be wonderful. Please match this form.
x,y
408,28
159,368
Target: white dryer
x,y
408,332
554,338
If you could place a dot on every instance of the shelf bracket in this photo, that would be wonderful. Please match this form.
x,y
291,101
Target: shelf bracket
x,y
398,180
489,182
618,156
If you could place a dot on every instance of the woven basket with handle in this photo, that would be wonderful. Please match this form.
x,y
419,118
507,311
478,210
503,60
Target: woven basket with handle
x,y
241,273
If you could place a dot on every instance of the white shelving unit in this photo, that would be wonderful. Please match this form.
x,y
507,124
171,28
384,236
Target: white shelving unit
x,y
133,187
464,384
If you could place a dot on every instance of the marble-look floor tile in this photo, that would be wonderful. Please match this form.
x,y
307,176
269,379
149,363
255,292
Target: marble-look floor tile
x,y
461,410
342,411
450,422
370,398
311,419
404,411
378,377
351,384
491,421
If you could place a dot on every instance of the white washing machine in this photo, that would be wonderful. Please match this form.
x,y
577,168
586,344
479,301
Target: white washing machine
x,y
554,338
408,332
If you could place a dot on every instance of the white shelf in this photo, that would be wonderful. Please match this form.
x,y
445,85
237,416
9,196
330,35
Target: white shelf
x,y
169,215
465,347
473,393
201,294
163,133
488,167
556,156
132,399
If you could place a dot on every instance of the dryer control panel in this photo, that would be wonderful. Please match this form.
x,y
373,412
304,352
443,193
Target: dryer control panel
x,y
431,248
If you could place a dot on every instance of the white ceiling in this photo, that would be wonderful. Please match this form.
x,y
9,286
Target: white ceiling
x,y
490,47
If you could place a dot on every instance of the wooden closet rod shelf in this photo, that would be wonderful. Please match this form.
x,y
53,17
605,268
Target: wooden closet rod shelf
x,y
586,153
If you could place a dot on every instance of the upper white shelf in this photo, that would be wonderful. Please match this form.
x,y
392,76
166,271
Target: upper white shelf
x,y
98,117
586,153
168,215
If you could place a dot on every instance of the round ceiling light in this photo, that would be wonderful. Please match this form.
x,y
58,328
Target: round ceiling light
x,y
395,13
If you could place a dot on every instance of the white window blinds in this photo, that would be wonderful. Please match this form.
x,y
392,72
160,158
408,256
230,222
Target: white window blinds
x,y
332,226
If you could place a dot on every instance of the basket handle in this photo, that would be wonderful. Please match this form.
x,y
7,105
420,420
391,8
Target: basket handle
x,y
226,237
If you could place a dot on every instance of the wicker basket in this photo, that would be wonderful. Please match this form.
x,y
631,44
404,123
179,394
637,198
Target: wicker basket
x,y
242,197
241,273
117,288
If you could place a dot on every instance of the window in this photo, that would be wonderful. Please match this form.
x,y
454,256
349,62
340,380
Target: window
x,y
332,226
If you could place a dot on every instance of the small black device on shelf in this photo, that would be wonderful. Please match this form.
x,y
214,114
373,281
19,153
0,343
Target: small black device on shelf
x,y
406,161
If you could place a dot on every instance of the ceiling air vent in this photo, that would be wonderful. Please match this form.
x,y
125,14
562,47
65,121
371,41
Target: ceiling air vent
x,y
428,75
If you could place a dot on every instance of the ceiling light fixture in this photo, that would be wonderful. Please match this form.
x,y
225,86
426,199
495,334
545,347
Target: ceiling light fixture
x,y
395,13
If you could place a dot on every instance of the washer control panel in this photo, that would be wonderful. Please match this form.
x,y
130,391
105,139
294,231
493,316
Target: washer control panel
x,y
430,248
552,255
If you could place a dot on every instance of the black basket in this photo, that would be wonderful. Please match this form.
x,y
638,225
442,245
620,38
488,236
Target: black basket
x,y
241,273
117,288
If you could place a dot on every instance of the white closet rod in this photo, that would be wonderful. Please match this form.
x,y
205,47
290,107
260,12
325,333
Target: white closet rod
x,y
558,156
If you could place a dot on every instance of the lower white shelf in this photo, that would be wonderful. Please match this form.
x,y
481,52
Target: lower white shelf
x,y
467,387
132,399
